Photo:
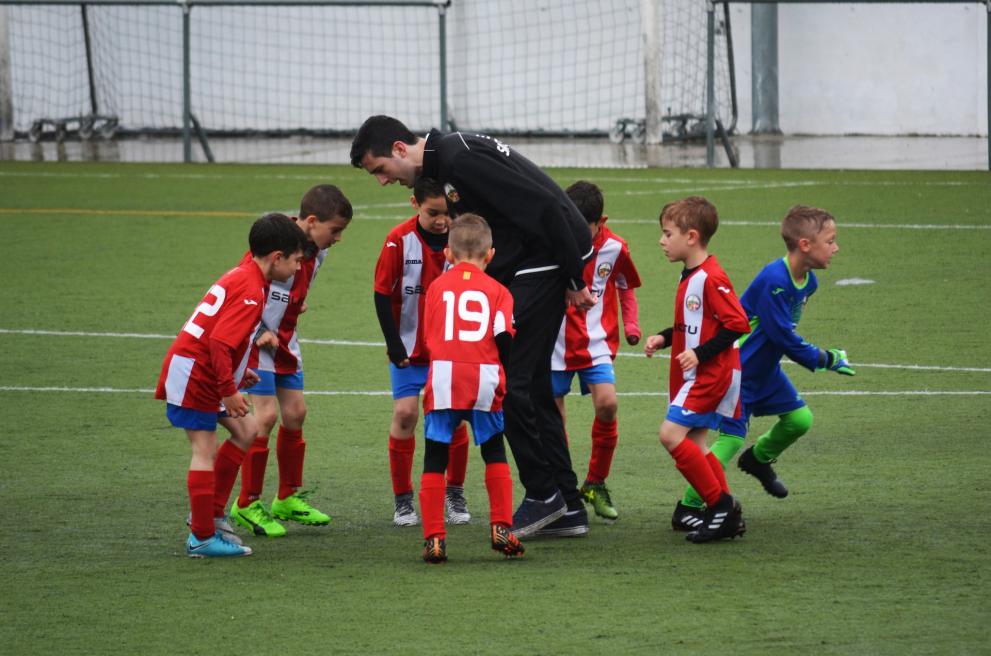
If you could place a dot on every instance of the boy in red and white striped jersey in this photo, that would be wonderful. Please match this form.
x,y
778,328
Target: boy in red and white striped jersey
x,y
468,331
587,345
324,214
205,367
704,386
412,258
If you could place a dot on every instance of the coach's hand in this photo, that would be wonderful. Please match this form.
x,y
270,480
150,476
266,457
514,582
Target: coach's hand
x,y
582,299
236,405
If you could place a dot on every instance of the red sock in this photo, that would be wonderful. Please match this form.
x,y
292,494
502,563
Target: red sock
x,y
401,464
200,486
717,470
432,504
290,449
693,466
457,457
604,436
225,468
499,485
253,472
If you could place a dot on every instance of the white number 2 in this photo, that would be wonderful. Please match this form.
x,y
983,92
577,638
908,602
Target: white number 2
x,y
481,317
206,309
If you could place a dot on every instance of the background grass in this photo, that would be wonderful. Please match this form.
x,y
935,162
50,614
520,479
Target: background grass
x,y
881,548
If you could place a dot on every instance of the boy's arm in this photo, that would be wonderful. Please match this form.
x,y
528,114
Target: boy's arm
x,y
774,316
388,272
631,321
222,362
394,346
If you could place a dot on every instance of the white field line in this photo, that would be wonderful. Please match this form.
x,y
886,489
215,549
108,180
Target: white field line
x,y
344,342
140,390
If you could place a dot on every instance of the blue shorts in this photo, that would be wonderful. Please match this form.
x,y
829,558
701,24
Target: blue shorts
x,y
270,380
774,396
191,419
440,425
409,381
689,419
600,373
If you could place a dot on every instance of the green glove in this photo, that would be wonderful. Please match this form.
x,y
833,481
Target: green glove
x,y
837,362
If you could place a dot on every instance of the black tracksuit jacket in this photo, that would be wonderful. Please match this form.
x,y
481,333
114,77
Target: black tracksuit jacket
x,y
536,229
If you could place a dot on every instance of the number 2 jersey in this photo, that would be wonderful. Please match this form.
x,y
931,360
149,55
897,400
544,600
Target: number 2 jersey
x,y
405,269
207,359
465,309
589,338
282,310
704,304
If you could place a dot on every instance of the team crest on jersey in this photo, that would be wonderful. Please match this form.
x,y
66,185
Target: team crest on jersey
x,y
604,270
452,193
693,302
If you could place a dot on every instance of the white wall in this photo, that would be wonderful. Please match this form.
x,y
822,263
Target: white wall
x,y
874,69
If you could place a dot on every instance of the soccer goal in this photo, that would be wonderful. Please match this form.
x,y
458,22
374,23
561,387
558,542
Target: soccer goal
x,y
630,69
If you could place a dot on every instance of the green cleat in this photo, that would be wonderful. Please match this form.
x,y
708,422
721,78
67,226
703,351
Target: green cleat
x,y
255,517
597,494
296,508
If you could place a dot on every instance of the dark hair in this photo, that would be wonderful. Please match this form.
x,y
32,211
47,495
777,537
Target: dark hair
x,y
805,222
587,197
693,213
325,202
469,236
376,136
425,188
275,232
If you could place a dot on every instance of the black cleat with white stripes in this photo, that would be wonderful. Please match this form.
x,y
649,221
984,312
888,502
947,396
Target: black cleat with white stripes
x,y
721,521
687,518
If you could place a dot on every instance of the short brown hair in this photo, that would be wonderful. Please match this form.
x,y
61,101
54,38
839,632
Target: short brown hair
x,y
469,237
693,213
325,202
803,222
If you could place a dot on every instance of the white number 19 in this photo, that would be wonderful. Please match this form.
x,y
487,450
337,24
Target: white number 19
x,y
481,317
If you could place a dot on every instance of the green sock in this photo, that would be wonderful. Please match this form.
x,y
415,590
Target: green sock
x,y
725,447
791,426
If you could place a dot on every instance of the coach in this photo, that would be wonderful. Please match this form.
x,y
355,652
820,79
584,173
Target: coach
x,y
541,243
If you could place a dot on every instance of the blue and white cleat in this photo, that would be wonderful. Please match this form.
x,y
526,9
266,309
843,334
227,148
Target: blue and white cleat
x,y
214,547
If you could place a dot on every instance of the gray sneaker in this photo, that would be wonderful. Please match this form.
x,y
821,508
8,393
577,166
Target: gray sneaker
x,y
456,506
223,527
405,511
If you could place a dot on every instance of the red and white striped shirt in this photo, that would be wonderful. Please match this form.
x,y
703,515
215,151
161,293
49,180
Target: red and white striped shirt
x,y
282,310
465,310
589,338
229,314
706,302
405,269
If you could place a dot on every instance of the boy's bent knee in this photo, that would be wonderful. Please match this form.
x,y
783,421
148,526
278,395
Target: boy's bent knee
x,y
797,422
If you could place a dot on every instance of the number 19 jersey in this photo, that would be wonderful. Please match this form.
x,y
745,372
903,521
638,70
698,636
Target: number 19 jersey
x,y
464,311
